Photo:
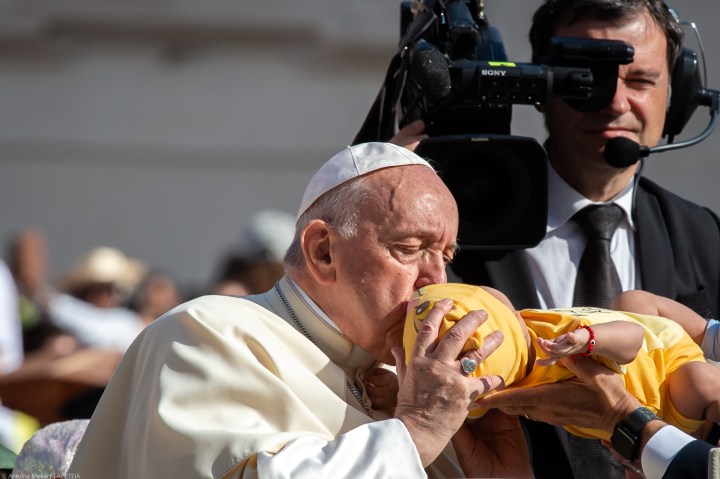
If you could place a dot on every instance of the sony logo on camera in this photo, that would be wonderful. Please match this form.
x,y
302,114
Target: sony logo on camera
x,y
493,73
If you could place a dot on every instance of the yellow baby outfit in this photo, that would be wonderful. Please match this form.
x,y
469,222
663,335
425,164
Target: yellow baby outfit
x,y
666,346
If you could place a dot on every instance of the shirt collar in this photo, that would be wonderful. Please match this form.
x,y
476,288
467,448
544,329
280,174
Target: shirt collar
x,y
564,201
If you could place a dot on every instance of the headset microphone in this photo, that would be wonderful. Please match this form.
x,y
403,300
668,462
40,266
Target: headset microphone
x,y
622,152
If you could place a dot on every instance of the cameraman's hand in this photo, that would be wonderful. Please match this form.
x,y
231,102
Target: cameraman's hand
x,y
410,135
596,398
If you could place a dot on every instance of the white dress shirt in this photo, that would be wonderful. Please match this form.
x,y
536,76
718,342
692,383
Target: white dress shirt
x,y
661,449
554,262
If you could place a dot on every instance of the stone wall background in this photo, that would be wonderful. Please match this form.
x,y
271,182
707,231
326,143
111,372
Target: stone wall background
x,y
160,127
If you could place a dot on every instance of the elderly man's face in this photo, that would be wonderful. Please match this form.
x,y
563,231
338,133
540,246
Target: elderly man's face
x,y
404,242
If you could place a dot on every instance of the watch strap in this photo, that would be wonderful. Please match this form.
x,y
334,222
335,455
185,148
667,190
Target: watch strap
x,y
638,418
626,436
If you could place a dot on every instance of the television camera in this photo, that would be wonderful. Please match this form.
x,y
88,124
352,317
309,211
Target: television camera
x,y
451,71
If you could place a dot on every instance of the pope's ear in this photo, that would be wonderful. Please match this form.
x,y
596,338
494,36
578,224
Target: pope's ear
x,y
316,241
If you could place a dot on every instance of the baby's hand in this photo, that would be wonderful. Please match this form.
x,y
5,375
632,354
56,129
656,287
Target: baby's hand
x,y
564,345
382,388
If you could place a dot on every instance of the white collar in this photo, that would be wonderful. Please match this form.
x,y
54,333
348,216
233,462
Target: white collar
x,y
564,201
319,328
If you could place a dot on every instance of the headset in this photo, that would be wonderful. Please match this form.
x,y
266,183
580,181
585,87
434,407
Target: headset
x,y
687,92
686,88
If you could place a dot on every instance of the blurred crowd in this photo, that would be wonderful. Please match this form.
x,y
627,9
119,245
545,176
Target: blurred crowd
x,y
62,335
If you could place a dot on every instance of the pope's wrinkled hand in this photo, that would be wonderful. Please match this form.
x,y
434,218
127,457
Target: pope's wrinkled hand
x,y
435,395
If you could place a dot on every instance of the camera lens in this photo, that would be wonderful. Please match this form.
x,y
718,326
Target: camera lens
x,y
500,185
491,187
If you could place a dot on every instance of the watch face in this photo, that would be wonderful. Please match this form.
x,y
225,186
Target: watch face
x,y
624,442
626,437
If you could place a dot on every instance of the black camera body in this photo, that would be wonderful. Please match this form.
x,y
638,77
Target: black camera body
x,y
451,71
500,185
456,77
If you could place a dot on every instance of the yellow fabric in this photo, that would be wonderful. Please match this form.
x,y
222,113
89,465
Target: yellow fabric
x,y
665,348
508,361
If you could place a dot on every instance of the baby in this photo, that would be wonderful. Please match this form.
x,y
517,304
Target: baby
x,y
661,364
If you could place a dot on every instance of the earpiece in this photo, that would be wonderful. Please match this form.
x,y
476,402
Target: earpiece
x,y
686,88
685,94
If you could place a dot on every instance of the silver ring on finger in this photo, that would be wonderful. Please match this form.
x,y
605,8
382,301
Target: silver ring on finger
x,y
468,365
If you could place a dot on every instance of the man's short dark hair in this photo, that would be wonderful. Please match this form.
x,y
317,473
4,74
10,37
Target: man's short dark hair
x,y
567,12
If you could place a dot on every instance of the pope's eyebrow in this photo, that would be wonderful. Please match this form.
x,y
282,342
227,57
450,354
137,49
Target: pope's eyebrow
x,y
426,235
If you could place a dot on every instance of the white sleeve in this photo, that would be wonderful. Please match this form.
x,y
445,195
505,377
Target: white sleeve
x,y
114,328
11,345
381,449
711,340
660,450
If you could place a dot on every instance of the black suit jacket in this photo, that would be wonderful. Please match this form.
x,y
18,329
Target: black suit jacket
x,y
690,463
678,253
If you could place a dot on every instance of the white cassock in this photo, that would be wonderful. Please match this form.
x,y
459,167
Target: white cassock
x,y
226,387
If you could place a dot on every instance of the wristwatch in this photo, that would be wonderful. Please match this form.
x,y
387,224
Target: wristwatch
x,y
626,436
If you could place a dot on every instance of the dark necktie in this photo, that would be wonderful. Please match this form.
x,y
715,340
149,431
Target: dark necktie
x,y
597,281
597,285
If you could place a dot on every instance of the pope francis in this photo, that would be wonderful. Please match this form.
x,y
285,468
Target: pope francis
x,y
275,385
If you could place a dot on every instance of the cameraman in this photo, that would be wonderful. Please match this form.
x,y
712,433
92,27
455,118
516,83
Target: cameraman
x,y
663,243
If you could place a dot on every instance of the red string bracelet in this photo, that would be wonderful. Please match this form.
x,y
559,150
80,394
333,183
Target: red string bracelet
x,y
590,343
